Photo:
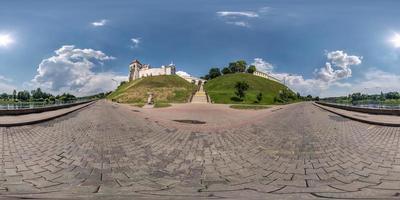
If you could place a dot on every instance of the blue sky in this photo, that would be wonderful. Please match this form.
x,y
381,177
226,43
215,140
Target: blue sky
x,y
318,47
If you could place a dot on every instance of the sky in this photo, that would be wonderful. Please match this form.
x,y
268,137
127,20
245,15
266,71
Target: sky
x,y
318,47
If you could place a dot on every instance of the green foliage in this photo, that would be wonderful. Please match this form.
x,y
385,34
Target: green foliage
x,y
238,66
241,87
259,97
66,97
285,96
161,105
251,69
222,89
390,98
214,73
166,88
4,96
39,95
23,95
226,70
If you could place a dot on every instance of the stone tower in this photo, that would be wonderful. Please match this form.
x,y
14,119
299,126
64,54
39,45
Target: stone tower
x,y
134,69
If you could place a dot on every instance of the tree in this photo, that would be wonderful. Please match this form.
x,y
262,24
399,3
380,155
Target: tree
x,y
259,97
226,70
214,73
251,69
238,66
382,98
4,96
14,95
23,95
241,88
66,97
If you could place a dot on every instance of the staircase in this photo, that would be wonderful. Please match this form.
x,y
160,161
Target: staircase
x,y
200,96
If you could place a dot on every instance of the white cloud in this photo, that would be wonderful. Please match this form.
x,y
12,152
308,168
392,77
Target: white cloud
x,y
239,23
324,77
182,73
237,14
5,79
340,60
262,65
239,18
135,42
102,22
6,85
72,70
265,9
375,81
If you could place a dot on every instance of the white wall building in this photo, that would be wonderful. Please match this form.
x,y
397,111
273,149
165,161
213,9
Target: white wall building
x,y
139,70
265,75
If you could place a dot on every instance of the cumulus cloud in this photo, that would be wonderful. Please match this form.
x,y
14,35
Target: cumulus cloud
x,y
72,70
262,65
337,67
182,73
102,22
237,14
342,62
135,42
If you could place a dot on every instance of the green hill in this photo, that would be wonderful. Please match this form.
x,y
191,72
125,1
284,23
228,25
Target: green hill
x,y
171,89
222,89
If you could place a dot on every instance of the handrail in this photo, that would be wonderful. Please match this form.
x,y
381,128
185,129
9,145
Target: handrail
x,y
376,111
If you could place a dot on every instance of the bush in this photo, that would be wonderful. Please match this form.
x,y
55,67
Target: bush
x,y
259,97
241,87
251,69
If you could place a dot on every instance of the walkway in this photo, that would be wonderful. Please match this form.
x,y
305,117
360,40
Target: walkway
x,y
385,120
111,151
200,96
18,120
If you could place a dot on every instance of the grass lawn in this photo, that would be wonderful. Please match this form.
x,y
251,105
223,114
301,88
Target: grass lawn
x,y
161,105
222,89
165,89
249,107
138,104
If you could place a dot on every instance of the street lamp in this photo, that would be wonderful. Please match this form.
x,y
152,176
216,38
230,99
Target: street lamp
x,y
284,79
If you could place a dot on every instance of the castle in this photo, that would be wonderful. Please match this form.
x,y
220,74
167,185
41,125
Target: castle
x,y
138,70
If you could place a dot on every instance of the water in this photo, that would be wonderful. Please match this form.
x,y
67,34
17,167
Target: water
x,y
27,105
371,105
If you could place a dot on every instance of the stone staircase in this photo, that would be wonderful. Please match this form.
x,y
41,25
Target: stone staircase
x,y
200,96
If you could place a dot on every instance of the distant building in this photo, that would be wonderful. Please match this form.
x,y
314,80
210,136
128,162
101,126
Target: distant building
x,y
138,70
192,79
265,75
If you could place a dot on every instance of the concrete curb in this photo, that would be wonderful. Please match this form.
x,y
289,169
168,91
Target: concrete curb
x,y
45,119
358,119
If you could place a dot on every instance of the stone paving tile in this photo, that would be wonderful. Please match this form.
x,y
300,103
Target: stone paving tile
x,y
299,151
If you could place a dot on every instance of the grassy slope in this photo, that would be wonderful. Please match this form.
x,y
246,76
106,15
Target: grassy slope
x,y
222,89
172,89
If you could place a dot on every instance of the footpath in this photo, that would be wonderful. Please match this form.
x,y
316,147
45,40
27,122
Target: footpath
x,y
20,120
383,120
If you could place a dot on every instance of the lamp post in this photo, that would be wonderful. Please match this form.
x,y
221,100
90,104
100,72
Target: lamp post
x,y
284,79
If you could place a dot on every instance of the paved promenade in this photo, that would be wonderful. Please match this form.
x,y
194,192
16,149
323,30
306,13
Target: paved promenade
x,y
385,120
111,151
17,120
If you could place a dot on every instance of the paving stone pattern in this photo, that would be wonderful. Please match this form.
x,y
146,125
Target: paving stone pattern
x,y
106,151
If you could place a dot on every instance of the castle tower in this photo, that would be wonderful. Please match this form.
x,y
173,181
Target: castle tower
x,y
134,69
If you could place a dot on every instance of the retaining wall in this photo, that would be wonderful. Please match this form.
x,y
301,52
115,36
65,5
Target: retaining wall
x,y
376,111
38,110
